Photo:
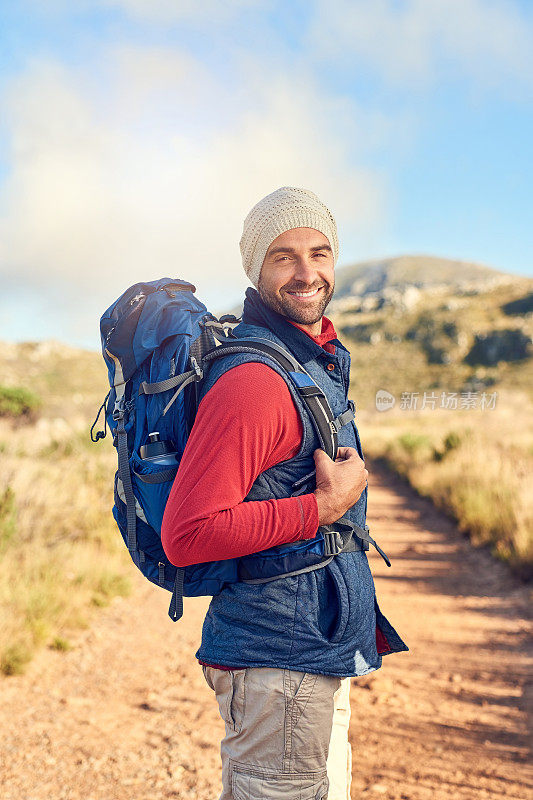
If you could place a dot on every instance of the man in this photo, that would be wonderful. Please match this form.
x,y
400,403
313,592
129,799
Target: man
x,y
279,655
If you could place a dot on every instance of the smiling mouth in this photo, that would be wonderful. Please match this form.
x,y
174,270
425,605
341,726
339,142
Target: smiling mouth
x,y
306,295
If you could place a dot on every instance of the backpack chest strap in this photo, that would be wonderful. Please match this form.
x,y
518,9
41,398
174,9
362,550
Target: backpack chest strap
x,y
344,536
345,418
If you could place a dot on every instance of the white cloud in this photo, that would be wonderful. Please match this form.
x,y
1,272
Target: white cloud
x,y
178,10
154,173
157,11
417,42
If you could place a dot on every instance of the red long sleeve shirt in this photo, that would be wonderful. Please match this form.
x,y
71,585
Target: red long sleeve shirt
x,y
244,425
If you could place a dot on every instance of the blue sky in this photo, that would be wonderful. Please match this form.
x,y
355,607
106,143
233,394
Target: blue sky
x,y
137,134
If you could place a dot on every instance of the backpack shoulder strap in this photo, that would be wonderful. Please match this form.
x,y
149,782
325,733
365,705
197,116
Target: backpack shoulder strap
x,y
326,426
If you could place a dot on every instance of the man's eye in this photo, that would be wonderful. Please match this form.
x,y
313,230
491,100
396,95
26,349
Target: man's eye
x,y
320,254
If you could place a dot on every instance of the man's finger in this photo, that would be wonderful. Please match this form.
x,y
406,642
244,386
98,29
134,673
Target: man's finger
x,y
347,452
318,454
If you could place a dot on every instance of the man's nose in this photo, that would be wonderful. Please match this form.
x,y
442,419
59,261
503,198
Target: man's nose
x,y
305,271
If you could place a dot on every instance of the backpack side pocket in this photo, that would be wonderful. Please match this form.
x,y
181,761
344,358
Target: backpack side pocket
x,y
152,484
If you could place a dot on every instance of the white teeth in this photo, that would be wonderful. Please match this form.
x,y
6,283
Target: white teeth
x,y
306,294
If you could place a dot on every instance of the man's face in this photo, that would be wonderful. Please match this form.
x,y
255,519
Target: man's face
x,y
297,277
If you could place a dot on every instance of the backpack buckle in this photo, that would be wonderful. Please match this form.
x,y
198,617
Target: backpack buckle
x,y
365,543
333,543
335,425
119,410
197,369
343,419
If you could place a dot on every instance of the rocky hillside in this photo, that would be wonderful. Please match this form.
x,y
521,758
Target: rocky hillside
x,y
389,275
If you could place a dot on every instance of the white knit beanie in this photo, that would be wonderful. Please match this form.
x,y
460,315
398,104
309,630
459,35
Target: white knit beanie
x,y
283,210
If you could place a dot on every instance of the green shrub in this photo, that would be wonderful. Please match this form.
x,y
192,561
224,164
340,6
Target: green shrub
x,y
7,518
59,643
451,441
413,443
15,658
109,585
57,448
17,402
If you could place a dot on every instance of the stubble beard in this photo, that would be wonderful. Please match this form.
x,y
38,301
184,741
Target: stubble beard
x,y
289,308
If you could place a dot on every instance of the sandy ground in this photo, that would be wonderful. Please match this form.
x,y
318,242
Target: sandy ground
x,y
126,714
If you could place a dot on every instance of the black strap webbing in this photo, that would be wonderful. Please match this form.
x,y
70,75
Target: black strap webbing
x,y
125,476
157,477
175,611
163,386
345,418
342,537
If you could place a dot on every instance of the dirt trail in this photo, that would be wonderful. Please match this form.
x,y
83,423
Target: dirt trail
x,y
126,715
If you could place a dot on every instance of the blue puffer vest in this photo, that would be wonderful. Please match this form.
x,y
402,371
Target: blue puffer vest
x,y
322,621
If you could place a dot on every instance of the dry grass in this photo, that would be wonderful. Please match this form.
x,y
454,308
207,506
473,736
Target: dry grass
x,y
476,465
60,551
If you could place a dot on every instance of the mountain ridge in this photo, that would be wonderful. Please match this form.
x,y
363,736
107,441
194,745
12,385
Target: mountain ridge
x,y
419,270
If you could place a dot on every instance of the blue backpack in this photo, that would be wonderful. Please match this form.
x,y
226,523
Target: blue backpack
x,y
158,339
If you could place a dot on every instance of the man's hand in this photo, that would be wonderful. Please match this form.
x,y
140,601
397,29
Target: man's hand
x,y
339,483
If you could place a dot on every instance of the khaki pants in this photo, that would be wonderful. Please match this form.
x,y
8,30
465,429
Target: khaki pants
x,y
286,734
